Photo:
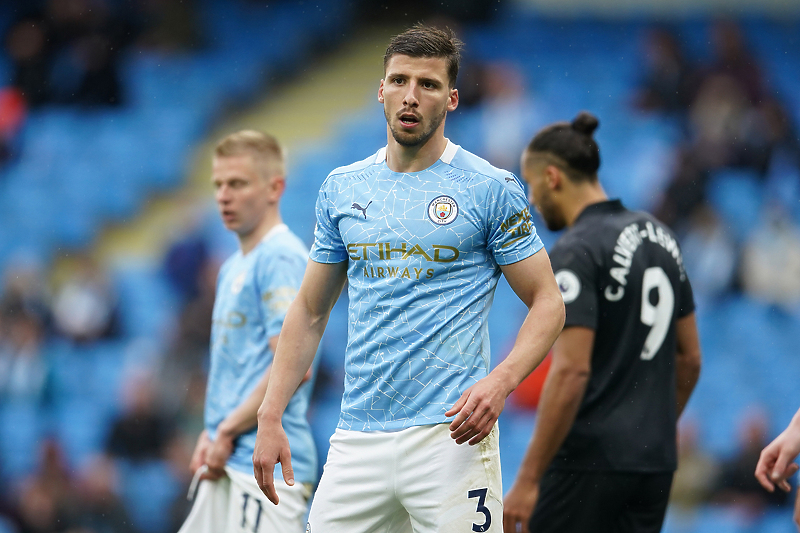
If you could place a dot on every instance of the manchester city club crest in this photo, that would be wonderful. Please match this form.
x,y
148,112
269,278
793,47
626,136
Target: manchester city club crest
x,y
442,210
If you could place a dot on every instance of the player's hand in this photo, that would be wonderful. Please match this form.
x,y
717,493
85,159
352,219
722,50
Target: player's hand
x,y
200,452
775,464
477,410
271,447
217,456
518,506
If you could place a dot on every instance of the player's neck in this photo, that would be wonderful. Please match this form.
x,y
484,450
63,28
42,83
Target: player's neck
x,y
584,197
247,242
401,158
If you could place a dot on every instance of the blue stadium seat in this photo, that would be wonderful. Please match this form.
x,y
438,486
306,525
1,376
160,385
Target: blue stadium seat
x,y
108,365
516,429
323,416
777,521
720,520
22,428
737,195
81,427
148,490
147,303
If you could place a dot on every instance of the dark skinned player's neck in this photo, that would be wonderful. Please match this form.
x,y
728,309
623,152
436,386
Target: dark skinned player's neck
x,y
584,197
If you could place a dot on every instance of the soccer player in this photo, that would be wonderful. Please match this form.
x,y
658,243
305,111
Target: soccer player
x,y
254,290
776,464
625,364
421,232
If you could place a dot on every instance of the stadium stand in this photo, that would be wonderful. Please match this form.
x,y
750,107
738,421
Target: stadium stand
x,y
77,169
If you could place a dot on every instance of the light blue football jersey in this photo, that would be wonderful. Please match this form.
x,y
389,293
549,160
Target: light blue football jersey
x,y
424,251
253,294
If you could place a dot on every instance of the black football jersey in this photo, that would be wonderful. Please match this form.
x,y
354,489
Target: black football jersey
x,y
621,274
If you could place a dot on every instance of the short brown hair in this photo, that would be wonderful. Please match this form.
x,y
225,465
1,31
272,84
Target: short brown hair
x,y
426,41
263,147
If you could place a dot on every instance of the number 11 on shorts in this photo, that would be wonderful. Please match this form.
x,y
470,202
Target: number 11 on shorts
x,y
481,495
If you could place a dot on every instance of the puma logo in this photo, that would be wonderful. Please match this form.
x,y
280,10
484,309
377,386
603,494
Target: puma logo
x,y
362,209
509,179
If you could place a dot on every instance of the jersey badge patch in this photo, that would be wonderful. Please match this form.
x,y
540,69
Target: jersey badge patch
x,y
238,283
568,284
442,210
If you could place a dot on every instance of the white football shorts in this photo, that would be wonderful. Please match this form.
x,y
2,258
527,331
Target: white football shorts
x,y
235,504
411,480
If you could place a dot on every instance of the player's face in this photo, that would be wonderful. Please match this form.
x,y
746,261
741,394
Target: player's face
x,y
416,97
242,194
534,171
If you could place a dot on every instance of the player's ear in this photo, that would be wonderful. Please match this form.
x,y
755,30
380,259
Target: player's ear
x,y
452,101
554,176
276,186
380,92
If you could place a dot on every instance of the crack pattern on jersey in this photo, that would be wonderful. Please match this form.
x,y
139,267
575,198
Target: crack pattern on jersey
x,y
254,292
424,251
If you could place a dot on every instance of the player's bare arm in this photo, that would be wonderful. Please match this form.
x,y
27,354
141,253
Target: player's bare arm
x,y
479,407
300,336
561,397
687,359
775,465
239,421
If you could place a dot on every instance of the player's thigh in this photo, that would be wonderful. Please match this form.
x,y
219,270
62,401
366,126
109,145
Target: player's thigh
x,y
249,510
645,510
448,487
357,488
579,501
209,512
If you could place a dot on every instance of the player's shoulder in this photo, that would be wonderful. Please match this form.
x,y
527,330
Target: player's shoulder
x,y
477,167
228,264
573,243
468,162
590,237
647,225
645,217
357,169
603,221
282,247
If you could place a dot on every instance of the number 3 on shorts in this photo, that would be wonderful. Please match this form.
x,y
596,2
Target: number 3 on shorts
x,y
481,495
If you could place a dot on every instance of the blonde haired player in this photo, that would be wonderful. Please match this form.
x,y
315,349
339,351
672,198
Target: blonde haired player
x,y
254,290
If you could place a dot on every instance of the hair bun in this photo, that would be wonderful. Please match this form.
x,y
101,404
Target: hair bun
x,y
585,123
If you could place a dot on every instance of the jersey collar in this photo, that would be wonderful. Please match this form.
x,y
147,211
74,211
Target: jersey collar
x,y
601,208
277,229
446,157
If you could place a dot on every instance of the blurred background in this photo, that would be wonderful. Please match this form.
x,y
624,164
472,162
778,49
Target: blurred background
x,y
110,242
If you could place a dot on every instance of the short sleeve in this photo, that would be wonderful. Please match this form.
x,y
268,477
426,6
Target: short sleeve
x,y
512,236
575,274
279,280
328,246
687,297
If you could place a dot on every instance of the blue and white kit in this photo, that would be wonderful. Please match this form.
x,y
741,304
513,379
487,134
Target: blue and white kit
x,y
253,294
424,251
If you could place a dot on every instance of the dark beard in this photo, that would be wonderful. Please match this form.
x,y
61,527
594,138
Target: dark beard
x,y
552,218
420,139
555,224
